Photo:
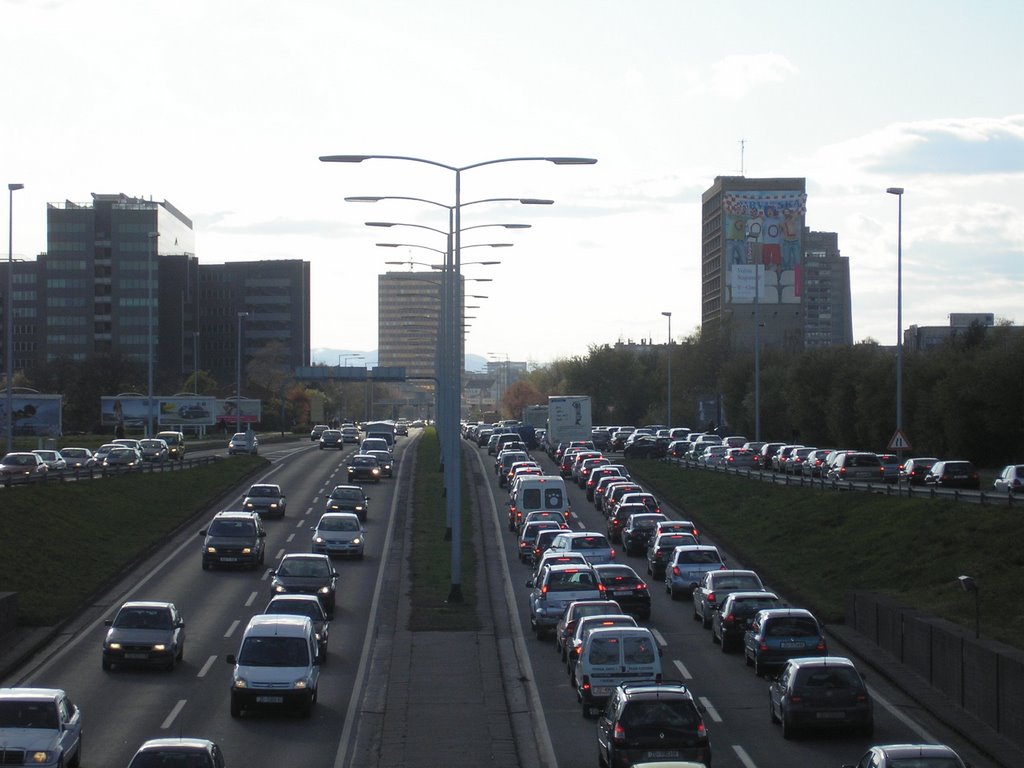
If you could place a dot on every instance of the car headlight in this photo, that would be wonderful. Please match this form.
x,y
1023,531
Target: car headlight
x,y
357,540
359,508
160,647
279,588
273,505
376,471
211,550
300,684
246,550
318,539
249,505
40,757
325,590
240,683
113,646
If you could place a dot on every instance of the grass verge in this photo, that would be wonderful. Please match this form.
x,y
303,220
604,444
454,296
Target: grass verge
x,y
818,545
430,557
61,543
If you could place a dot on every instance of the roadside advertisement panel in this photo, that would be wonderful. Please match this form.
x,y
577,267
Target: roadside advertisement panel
x,y
251,412
132,411
187,411
33,415
762,246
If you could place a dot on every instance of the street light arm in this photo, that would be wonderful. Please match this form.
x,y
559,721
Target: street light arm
x,y
457,169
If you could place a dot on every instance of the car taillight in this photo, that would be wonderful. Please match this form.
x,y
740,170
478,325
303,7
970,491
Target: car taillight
x,y
821,644
861,697
600,587
728,618
762,646
613,554
619,734
544,590
586,682
676,571
702,732
795,699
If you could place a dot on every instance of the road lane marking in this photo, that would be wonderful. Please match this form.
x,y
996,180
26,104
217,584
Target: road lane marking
x,y
658,636
710,709
206,666
252,598
232,628
741,753
682,669
280,553
919,730
300,523
174,713
290,539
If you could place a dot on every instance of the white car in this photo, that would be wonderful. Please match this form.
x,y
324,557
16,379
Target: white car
x,y
42,724
53,460
244,442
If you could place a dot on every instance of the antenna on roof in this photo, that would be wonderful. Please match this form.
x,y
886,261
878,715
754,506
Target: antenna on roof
x,y
743,147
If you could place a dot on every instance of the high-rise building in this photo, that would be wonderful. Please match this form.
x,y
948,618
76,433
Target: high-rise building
x,y
765,275
111,261
408,320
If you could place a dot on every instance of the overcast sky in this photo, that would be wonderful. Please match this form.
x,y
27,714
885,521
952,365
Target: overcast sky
x,y
224,108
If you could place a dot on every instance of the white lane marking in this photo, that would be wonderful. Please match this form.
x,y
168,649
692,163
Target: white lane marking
x,y
895,712
741,753
300,523
682,669
252,598
174,713
580,525
710,709
206,666
231,629
280,553
291,537
658,636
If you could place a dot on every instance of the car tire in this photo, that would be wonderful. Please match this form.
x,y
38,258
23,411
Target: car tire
x,y
771,711
674,593
723,646
746,658
788,730
704,620
181,652
76,761
758,668
714,637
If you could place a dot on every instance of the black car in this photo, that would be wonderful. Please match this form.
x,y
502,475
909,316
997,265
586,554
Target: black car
x,y
331,438
639,528
290,604
953,474
825,692
625,587
660,549
363,467
646,722
348,498
307,574
731,619
234,538
646,447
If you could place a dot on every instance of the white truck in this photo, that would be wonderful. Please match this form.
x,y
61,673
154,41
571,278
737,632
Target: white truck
x,y
536,416
568,419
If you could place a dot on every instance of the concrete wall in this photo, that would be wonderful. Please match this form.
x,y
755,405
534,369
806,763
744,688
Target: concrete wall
x,y
984,677
8,611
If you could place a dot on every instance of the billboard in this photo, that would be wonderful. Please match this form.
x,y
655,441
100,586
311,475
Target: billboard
x,y
132,411
762,246
33,415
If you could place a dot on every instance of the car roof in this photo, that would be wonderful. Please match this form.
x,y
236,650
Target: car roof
x,y
25,694
235,513
784,613
182,741
146,604
305,556
823,661
915,750
282,624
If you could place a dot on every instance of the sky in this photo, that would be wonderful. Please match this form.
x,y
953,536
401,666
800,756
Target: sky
x,y
223,109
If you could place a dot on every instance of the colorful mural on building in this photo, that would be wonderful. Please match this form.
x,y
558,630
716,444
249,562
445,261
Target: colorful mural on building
x,y
762,246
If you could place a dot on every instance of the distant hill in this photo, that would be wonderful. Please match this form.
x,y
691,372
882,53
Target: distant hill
x,y
368,359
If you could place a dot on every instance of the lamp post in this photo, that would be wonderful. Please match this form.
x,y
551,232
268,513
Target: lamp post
x,y
668,368
195,363
898,191
238,375
9,314
154,238
454,338
969,584
346,358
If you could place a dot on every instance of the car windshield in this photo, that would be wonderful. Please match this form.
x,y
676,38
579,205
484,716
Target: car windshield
x,y
338,524
28,714
232,528
347,494
172,758
19,461
152,443
924,762
263,490
143,618
74,453
364,461
303,567
47,455
661,714
273,652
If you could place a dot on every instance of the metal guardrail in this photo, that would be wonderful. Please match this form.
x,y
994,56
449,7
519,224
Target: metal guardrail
x,y
898,489
94,473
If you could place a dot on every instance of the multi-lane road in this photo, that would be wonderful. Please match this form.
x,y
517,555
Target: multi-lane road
x,y
123,708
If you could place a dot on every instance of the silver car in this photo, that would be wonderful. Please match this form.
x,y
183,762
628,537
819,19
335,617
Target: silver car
x,y
266,499
147,633
40,723
339,533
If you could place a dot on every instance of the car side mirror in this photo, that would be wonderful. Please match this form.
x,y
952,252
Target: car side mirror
x,y
262,534
202,532
230,659
334,573
108,623
529,582
180,624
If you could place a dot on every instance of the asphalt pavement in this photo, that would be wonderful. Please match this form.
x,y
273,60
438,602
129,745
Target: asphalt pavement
x,y
463,698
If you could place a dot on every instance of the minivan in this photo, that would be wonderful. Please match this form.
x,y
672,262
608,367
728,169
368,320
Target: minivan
x,y
278,665
534,493
611,657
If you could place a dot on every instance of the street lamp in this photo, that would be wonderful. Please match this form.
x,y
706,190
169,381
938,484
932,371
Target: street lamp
x,y
195,362
9,314
453,479
346,358
153,241
668,368
238,375
898,437
969,584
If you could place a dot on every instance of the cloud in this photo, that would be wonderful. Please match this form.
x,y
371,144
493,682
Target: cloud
x,y
218,221
737,76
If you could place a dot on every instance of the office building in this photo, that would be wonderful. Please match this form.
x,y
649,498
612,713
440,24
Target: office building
x,y
828,316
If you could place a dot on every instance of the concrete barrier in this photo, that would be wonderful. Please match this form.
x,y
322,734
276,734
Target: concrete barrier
x,y
8,612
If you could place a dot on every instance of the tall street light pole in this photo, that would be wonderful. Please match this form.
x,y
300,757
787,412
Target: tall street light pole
x,y
154,238
9,315
898,191
238,375
668,368
195,362
454,339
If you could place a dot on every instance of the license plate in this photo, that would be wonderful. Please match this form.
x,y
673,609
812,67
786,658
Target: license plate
x,y
602,691
791,645
229,559
662,754
831,715
136,655
622,593
270,699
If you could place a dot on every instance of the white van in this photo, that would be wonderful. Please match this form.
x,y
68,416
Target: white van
x,y
611,657
278,665
535,493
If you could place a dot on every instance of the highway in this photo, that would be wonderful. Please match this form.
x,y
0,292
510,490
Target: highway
x,y
124,707
735,700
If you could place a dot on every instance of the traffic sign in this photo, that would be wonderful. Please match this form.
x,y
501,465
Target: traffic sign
x,y
898,441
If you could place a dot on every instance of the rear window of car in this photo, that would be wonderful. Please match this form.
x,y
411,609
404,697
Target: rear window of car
x,y
638,650
828,679
569,581
738,583
590,542
862,460
792,627
663,713
700,557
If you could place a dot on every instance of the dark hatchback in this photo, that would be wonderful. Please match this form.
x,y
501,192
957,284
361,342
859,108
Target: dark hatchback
x,y
953,474
300,574
363,467
639,528
732,619
623,585
818,693
651,722
234,538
